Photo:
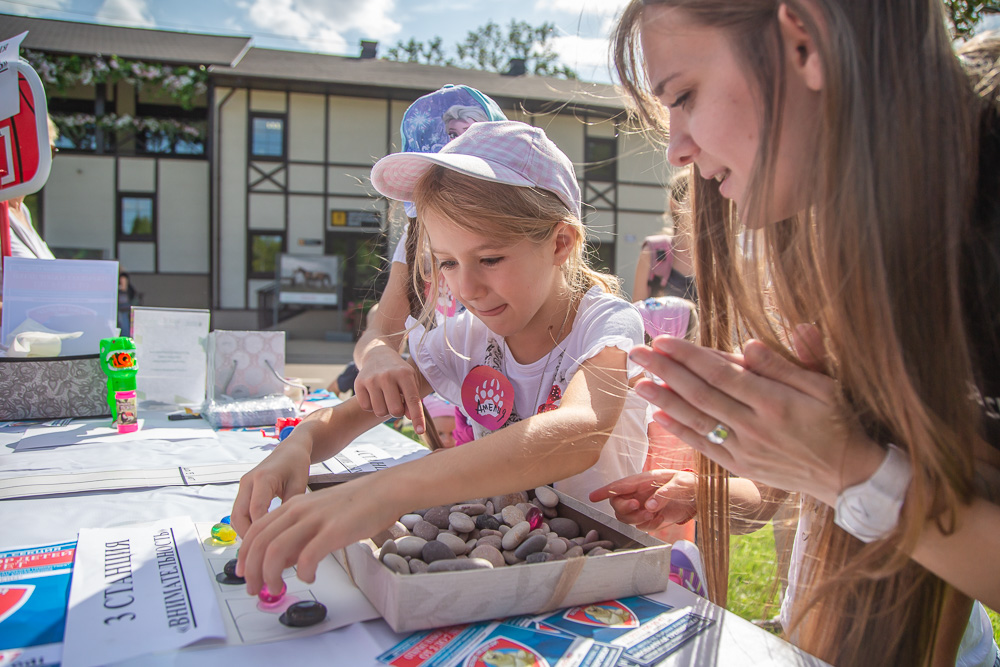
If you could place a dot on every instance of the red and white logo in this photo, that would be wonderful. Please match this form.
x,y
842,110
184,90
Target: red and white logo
x,y
504,652
13,598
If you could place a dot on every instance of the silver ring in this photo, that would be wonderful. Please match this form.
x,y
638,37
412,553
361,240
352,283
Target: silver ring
x,y
718,435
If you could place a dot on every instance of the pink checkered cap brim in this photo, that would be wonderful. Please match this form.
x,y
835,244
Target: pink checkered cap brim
x,y
507,152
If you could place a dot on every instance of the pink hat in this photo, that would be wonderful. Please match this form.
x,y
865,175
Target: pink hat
x,y
500,151
438,407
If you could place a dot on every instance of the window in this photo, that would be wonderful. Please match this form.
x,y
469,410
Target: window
x,y
264,249
137,218
267,137
601,157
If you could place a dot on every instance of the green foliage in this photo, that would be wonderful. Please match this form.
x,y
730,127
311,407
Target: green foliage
x,y
965,14
490,48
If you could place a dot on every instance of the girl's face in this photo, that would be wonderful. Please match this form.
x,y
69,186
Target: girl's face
x,y
511,288
444,426
457,127
715,114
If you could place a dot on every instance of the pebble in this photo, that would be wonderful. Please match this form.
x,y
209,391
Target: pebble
x,y
410,520
388,547
454,542
471,544
470,509
531,545
461,523
574,552
438,516
435,550
411,545
490,541
598,544
303,614
599,551
223,533
515,535
499,502
396,563
547,496
564,527
398,530
511,558
267,597
460,564
417,566
512,515
538,557
490,553
228,575
425,530
487,522
591,536
556,547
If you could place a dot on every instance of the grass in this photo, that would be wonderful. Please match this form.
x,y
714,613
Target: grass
x,y
752,590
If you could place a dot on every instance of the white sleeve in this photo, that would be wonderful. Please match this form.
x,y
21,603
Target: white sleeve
x,y
610,322
436,353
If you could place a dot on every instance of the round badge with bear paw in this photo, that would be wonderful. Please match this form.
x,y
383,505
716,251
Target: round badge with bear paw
x,y
488,397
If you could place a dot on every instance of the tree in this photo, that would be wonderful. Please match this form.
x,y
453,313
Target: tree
x,y
491,48
965,14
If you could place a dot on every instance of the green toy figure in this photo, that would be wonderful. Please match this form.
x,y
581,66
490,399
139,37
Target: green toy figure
x,y
118,363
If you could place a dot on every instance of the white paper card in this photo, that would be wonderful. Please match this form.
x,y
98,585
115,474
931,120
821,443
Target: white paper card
x,y
61,296
138,589
10,98
91,433
171,354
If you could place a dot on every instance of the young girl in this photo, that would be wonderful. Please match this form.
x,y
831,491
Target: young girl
x,y
538,359
857,154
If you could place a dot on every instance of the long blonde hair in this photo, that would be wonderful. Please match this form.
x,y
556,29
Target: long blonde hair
x,y
875,263
504,213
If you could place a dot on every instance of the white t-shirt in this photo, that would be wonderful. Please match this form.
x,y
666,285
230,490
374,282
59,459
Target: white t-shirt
x,y
977,648
601,321
24,240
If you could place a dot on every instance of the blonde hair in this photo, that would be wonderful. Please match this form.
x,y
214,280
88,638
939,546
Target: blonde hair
x,y
468,113
847,263
505,213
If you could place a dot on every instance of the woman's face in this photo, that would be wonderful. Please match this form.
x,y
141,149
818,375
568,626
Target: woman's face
x,y
456,127
715,113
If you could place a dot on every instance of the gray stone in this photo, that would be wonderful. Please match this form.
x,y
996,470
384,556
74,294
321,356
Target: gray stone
x,y
438,516
564,527
575,552
538,557
303,614
546,496
389,547
550,512
510,558
461,523
515,535
454,542
499,502
426,530
531,545
417,566
436,550
591,536
471,544
470,509
490,553
494,541
460,564
487,522
598,551
512,515
411,545
409,520
488,533
398,530
607,545
396,563
556,546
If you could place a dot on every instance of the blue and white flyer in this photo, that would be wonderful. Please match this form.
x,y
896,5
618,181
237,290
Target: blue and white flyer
x,y
137,589
34,587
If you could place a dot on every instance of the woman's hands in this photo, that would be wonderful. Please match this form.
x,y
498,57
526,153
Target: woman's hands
x,y
651,499
283,474
387,385
786,428
308,527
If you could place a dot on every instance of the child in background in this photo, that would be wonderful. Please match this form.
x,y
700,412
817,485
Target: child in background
x,y
442,414
538,358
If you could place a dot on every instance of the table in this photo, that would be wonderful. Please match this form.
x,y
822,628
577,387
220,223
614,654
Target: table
x,y
730,641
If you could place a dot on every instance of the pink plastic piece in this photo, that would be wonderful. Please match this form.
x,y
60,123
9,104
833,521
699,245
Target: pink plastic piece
x,y
534,517
267,597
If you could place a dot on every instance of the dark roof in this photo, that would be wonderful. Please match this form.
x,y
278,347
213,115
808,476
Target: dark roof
x,y
371,77
137,43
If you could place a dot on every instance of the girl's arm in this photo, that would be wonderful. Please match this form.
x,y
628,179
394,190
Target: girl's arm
x,y
640,288
386,383
285,472
542,449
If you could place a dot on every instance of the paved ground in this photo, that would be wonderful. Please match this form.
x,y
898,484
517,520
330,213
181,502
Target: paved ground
x,y
316,362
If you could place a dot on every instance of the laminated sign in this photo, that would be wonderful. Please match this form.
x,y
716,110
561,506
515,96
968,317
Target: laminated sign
x,y
25,158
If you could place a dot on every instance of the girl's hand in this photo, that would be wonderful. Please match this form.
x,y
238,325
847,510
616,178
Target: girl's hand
x,y
388,386
308,527
651,499
283,474
786,428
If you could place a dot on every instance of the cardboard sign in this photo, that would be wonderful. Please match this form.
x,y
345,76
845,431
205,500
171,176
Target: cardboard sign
x,y
25,158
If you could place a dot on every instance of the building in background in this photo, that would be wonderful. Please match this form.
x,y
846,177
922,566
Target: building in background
x,y
198,160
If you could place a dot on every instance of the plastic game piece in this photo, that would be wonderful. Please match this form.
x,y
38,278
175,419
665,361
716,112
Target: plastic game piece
x,y
285,432
228,575
534,518
269,598
303,614
118,363
223,533
226,520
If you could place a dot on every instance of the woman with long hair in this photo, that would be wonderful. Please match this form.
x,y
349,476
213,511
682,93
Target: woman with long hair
x,y
849,351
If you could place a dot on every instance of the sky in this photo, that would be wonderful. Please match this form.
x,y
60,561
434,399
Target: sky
x,y
338,26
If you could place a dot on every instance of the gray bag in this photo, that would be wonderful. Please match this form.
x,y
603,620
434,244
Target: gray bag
x,y
52,388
